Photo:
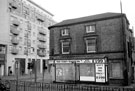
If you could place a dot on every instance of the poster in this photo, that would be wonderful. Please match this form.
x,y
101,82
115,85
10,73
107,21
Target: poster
x,y
100,72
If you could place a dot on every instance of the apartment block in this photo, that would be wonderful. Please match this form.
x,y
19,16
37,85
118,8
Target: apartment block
x,y
24,35
94,49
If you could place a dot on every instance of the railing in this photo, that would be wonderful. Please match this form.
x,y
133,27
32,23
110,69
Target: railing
x,y
32,86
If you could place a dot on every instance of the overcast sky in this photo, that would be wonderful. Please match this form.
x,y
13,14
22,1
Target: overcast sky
x,y
68,9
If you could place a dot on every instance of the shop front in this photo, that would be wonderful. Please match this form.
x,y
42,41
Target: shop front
x,y
86,70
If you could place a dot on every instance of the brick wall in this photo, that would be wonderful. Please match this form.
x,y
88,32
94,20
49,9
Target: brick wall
x,y
108,33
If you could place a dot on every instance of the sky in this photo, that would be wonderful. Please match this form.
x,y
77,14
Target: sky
x,y
68,9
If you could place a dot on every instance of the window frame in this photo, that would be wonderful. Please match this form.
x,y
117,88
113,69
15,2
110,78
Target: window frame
x,y
88,28
65,32
86,41
62,48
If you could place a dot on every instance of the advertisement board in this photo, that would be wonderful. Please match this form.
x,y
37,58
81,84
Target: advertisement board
x,y
100,72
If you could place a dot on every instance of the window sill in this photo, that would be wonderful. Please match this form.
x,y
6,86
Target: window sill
x,y
90,34
91,52
116,78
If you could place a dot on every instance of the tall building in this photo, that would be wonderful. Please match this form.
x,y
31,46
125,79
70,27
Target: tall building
x,y
24,35
93,49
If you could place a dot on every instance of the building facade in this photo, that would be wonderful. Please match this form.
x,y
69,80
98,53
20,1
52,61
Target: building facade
x,y
92,49
24,32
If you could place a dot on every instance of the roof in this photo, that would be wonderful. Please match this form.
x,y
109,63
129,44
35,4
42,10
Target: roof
x,y
96,17
40,7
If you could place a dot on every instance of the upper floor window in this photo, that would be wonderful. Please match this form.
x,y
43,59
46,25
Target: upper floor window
x,y
91,45
25,12
65,32
90,28
65,47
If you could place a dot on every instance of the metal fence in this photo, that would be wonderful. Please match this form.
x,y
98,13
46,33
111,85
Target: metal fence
x,y
32,86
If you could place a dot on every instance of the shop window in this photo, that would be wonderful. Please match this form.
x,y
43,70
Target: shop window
x,y
116,70
65,47
90,28
65,72
65,32
91,45
87,72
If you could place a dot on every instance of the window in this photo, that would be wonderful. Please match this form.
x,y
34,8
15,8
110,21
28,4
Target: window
x,y
87,72
65,47
21,39
34,41
20,48
65,32
2,49
91,45
25,12
90,28
25,50
116,71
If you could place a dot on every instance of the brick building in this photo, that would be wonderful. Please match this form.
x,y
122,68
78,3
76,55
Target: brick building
x,y
24,32
93,49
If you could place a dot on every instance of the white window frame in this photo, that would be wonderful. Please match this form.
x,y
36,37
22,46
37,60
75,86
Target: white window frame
x,y
63,48
90,28
65,32
87,47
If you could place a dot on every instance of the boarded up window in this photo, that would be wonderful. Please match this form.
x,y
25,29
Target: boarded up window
x,y
116,71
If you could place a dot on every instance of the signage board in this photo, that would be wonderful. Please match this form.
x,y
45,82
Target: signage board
x,y
100,72
79,61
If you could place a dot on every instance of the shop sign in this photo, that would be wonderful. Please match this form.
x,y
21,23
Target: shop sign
x,y
100,72
80,61
63,61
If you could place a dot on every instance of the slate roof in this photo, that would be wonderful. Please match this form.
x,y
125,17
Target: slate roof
x,y
96,17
